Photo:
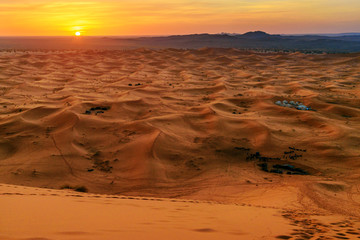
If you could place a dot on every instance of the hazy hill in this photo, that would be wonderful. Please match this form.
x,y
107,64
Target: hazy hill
x,y
251,40
256,40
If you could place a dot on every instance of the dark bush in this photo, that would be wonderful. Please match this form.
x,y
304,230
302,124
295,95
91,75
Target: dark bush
x,y
81,189
75,188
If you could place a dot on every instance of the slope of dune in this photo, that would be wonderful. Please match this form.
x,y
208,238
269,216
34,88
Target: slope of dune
x,y
90,216
189,124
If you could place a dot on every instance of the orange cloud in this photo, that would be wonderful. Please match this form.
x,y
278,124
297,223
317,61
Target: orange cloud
x,y
140,17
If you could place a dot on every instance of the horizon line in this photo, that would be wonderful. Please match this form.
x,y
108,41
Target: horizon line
x,y
167,35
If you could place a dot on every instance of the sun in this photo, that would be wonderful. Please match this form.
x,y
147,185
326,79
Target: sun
x,y
77,33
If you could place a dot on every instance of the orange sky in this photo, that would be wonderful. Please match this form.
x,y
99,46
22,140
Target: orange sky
x,y
160,17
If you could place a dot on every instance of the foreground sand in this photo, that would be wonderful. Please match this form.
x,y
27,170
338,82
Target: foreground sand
x,y
187,124
35,213
32,213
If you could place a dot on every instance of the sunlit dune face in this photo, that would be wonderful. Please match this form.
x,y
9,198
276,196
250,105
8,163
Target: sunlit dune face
x,y
77,34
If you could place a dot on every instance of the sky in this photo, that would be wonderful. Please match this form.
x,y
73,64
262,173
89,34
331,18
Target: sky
x,y
161,17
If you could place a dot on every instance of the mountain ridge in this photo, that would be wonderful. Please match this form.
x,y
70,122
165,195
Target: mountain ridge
x,y
256,40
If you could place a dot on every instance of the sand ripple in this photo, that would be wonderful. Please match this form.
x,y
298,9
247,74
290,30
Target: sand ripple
x,y
143,120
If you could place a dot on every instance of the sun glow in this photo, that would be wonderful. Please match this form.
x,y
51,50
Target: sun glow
x,y
151,17
77,33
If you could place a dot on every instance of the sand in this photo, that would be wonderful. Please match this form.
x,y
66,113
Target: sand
x,y
183,124
55,214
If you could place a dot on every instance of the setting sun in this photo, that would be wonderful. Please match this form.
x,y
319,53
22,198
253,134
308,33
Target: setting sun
x,y
77,33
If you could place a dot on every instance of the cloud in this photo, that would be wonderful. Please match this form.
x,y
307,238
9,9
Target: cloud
x,y
116,16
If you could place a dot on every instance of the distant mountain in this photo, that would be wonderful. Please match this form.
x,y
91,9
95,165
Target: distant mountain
x,y
257,40
256,34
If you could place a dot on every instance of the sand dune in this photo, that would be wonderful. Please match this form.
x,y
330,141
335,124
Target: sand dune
x,y
70,215
90,216
186,124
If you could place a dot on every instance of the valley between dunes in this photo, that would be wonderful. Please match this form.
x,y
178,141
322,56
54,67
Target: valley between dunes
x,y
191,125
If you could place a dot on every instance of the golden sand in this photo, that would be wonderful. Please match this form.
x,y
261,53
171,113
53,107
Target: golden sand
x,y
185,124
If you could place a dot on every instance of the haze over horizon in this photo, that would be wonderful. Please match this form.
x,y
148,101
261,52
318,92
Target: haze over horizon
x,y
159,17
